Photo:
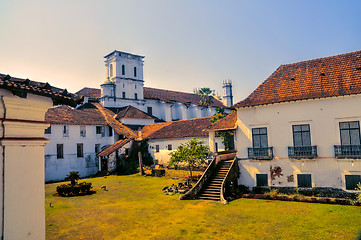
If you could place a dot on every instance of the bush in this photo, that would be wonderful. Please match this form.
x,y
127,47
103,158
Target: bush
x,y
67,190
158,172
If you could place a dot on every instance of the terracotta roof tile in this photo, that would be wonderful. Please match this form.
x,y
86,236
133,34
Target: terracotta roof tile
x,y
228,122
88,115
20,87
182,97
89,92
118,127
177,129
107,151
158,94
333,76
131,112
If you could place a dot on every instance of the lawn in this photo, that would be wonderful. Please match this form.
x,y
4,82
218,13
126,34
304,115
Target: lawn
x,y
135,207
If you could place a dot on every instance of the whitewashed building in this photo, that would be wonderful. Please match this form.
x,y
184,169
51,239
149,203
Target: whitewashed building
x,y
164,138
22,197
77,136
124,86
301,126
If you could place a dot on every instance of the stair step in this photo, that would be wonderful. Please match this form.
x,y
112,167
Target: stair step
x,y
216,181
213,187
210,195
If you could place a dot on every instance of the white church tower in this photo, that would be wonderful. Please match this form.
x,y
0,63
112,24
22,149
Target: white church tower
x,y
227,93
124,80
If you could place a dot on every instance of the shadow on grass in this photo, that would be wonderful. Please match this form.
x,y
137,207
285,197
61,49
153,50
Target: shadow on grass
x,y
80,195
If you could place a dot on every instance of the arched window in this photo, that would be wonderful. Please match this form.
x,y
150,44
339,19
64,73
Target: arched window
x,y
123,69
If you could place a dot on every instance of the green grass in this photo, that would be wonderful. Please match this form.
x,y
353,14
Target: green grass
x,y
135,207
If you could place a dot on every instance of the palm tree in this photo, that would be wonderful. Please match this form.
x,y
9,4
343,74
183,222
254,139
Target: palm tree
x,y
206,97
73,176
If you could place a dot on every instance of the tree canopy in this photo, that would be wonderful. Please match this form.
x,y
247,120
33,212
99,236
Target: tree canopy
x,y
206,97
192,153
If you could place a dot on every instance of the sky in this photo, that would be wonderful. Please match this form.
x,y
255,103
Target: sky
x,y
187,44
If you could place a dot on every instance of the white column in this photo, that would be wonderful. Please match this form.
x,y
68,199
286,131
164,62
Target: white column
x,y
22,163
212,141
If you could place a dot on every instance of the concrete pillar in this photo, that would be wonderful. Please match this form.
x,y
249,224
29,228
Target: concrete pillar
x,y
212,141
22,164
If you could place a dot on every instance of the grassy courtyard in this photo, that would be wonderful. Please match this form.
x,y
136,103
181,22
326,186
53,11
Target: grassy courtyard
x,y
135,207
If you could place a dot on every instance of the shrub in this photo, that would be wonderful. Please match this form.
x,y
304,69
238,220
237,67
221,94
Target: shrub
x,y
73,176
67,190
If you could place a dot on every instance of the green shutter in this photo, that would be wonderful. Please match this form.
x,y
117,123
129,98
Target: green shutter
x,y
262,180
304,180
352,181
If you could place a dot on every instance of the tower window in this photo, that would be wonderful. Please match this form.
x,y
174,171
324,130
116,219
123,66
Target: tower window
x,y
123,69
111,70
135,71
135,86
136,96
123,94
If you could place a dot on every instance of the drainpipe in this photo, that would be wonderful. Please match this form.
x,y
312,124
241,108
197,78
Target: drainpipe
x,y
3,169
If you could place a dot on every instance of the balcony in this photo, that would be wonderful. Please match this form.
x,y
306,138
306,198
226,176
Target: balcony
x,y
348,151
263,153
301,152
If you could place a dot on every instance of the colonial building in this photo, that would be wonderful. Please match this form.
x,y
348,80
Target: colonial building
x,y
301,126
77,135
124,86
22,198
163,138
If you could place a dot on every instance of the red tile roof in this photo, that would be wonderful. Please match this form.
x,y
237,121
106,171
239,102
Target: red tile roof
x,y
21,87
89,92
318,78
107,151
88,115
131,112
182,97
177,129
118,127
159,94
226,123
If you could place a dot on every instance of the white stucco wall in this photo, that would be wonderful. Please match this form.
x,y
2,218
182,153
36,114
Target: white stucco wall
x,y
57,169
163,155
22,163
323,116
136,121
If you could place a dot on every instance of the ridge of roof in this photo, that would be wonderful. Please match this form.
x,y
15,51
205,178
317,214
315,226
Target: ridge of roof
x,y
228,122
112,148
332,76
132,112
21,87
120,128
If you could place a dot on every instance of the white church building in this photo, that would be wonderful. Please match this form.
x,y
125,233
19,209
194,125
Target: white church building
x,y
124,86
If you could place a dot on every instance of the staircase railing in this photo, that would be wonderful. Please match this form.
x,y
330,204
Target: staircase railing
x,y
192,193
232,175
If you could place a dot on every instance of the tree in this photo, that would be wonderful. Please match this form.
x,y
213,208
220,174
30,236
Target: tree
x,y
206,97
220,113
192,153
73,176
226,135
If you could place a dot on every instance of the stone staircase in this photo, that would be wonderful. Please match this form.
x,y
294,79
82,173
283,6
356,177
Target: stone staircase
x,y
212,188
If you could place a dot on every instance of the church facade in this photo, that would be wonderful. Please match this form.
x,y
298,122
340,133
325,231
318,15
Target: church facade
x,y
124,86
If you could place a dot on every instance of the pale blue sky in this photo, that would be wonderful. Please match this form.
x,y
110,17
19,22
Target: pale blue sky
x,y
186,44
